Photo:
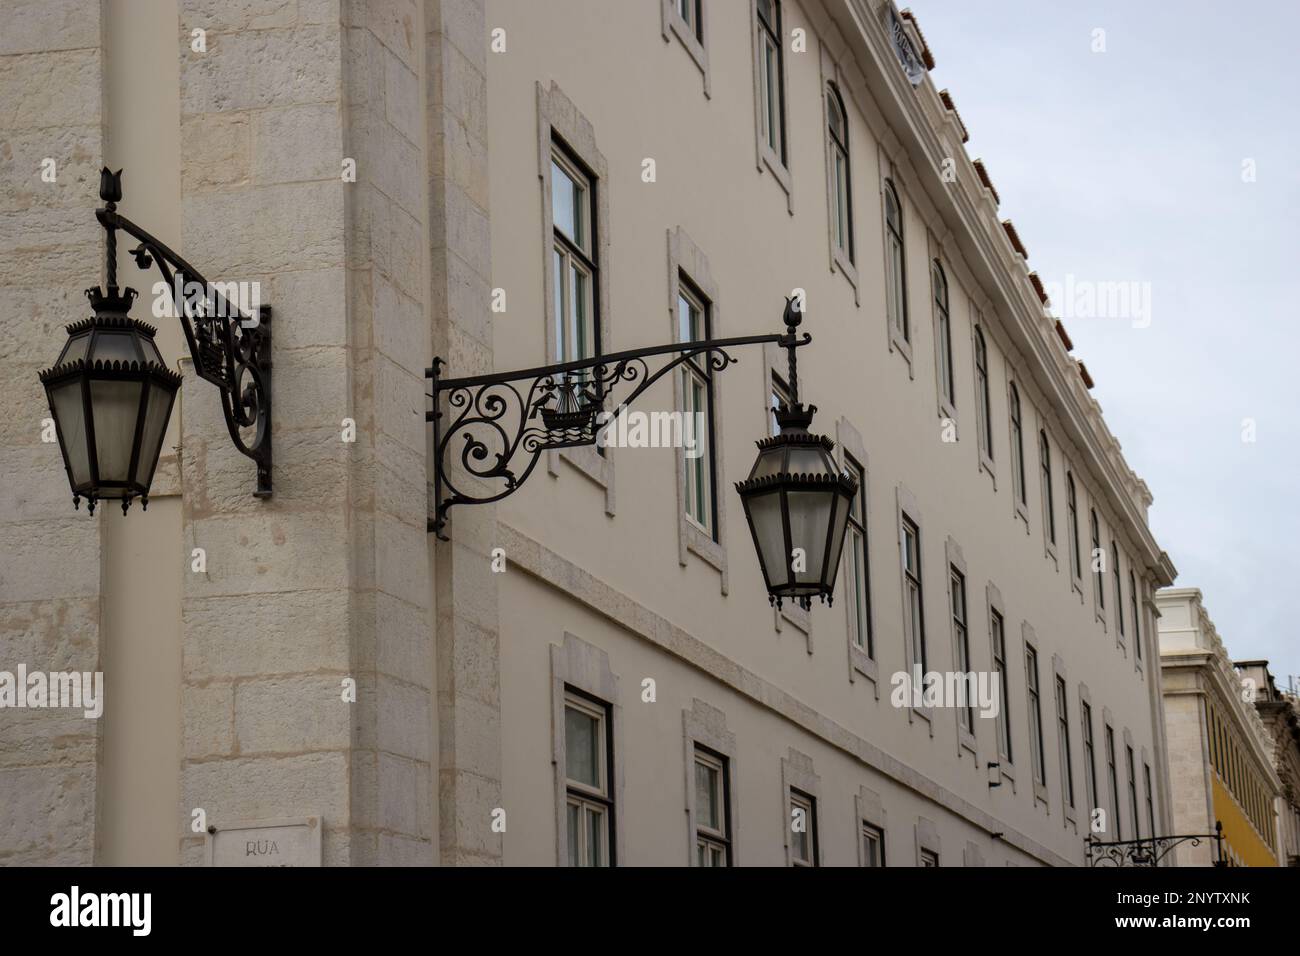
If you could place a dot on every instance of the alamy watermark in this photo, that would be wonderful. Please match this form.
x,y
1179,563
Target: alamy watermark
x,y
635,429
1126,300
78,690
980,690
227,300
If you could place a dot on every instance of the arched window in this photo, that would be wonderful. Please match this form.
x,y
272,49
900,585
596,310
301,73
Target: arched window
x,y
1049,502
1099,581
1017,447
943,334
771,78
1119,590
982,413
1072,509
895,281
837,133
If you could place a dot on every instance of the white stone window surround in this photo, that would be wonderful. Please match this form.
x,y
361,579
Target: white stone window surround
x,y
927,840
994,601
956,560
797,773
696,46
1088,731
583,667
907,509
1070,812
869,809
849,443
765,156
1029,641
839,261
686,259
560,122
706,726
891,176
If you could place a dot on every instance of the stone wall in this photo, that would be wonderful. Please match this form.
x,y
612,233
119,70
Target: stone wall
x,y
51,248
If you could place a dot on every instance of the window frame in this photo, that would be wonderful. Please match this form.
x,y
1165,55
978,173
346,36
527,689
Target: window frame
x,y
1135,614
1015,423
896,310
983,397
869,834
714,838
998,642
839,181
797,799
914,595
1089,754
1117,582
697,374
944,360
1130,763
1034,705
1072,514
1112,778
583,796
1048,491
766,37
859,614
1099,575
1065,753
959,619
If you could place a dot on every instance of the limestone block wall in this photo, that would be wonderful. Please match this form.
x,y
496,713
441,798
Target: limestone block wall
x,y
51,72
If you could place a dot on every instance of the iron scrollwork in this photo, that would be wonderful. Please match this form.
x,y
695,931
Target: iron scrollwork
x,y
230,349
1149,851
498,425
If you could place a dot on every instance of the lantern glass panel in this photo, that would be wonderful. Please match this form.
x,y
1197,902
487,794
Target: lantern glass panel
x,y
806,460
769,463
75,349
116,347
70,415
116,405
769,531
842,504
155,423
151,353
810,521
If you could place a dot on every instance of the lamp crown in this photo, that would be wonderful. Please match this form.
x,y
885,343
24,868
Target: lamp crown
x,y
110,185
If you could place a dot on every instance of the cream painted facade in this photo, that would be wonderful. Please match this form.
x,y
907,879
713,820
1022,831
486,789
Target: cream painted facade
x,y
1221,756
223,685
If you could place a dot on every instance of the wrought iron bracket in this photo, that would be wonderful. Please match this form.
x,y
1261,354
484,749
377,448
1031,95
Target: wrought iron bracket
x,y
1149,851
230,348
500,423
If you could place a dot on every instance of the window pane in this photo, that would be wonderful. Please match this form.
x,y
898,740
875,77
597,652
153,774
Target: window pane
x,y
566,200
574,835
595,836
771,86
582,333
706,796
582,747
561,318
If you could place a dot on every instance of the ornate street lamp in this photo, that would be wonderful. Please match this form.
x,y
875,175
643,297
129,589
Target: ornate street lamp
x,y
111,394
797,501
497,425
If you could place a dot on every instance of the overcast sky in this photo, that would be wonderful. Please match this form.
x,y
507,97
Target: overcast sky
x,y
1127,165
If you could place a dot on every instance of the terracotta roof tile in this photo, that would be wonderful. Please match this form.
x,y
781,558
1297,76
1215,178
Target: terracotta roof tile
x,y
1015,238
982,171
947,101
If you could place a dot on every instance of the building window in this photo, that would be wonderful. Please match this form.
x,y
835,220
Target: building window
x,y
1089,754
1132,791
873,845
1063,736
837,133
896,280
957,603
803,829
859,579
1119,591
929,859
577,328
1151,803
780,397
1017,448
1072,509
1133,611
588,759
914,622
998,631
697,398
1049,501
982,410
712,809
943,334
1112,779
771,78
689,11
1098,580
1035,717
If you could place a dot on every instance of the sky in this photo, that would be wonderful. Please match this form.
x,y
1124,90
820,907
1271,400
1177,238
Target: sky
x,y
1169,159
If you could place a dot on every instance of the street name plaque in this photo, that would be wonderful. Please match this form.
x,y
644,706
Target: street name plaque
x,y
289,842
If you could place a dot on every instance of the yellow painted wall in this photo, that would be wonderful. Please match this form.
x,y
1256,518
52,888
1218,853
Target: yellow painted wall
x,y
1238,832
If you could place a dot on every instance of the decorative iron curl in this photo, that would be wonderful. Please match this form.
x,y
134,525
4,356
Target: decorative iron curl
x,y
498,425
